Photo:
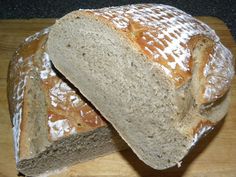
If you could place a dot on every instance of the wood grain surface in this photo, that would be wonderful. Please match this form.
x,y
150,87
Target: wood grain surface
x,y
214,156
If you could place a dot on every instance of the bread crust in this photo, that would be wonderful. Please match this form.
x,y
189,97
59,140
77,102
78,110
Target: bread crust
x,y
164,34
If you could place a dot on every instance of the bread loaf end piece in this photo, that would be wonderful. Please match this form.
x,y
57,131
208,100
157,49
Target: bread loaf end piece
x,y
53,124
135,64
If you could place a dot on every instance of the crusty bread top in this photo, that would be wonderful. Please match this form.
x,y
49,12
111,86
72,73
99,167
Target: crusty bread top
x,y
163,33
68,112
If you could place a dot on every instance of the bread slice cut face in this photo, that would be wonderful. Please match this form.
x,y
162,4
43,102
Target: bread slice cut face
x,y
158,75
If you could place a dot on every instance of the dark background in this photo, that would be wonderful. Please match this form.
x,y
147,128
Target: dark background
x,y
24,9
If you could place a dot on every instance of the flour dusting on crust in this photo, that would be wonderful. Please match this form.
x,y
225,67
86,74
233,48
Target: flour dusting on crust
x,y
22,68
47,71
17,116
219,71
59,128
162,32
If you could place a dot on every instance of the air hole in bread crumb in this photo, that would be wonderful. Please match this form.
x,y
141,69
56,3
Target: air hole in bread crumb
x,y
127,120
68,45
159,155
83,54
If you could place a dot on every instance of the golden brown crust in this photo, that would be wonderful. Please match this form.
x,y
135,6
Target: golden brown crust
x,y
64,104
164,34
201,124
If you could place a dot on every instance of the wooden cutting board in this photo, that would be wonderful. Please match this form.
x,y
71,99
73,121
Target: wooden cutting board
x,y
215,155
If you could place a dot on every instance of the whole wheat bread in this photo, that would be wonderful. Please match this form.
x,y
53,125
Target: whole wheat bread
x,y
158,75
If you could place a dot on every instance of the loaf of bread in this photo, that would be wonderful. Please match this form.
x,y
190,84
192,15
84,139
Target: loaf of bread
x,y
53,124
158,75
